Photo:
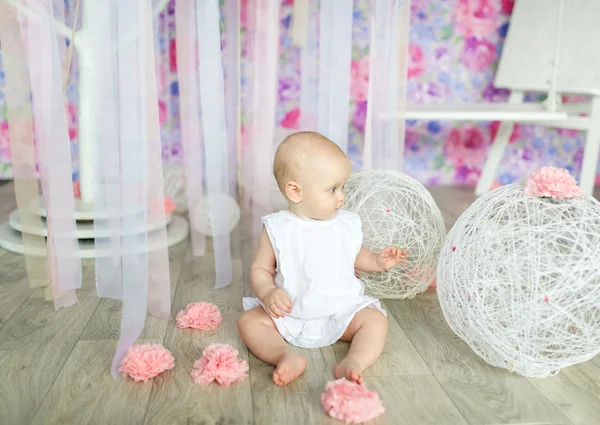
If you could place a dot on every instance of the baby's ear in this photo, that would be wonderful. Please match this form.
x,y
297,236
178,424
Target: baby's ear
x,y
293,192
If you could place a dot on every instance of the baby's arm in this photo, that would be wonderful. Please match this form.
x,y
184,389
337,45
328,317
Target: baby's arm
x,y
369,262
262,272
366,261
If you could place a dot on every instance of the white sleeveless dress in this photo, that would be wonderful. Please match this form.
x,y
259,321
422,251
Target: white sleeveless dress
x,y
315,266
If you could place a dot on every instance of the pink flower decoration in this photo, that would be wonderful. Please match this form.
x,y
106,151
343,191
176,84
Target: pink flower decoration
x,y
77,189
466,146
478,55
292,119
145,361
203,316
514,136
350,402
495,185
476,18
219,363
170,205
550,182
507,6
416,64
359,85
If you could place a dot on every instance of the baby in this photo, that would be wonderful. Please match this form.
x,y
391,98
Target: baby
x,y
303,273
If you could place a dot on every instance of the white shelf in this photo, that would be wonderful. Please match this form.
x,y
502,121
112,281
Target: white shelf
x,y
85,228
10,240
479,112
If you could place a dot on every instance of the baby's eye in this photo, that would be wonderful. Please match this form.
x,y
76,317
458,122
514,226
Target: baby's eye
x,y
333,190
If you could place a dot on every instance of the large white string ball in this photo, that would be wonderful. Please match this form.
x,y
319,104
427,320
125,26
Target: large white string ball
x,y
519,279
201,215
397,210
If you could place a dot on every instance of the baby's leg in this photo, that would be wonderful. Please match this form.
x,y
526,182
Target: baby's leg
x,y
367,331
262,338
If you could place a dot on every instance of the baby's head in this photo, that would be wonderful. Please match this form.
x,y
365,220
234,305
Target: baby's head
x,y
311,172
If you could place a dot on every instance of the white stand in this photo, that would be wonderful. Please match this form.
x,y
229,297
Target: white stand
x,y
10,232
557,53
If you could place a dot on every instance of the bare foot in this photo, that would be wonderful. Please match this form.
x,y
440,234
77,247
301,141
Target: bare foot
x,y
348,369
289,368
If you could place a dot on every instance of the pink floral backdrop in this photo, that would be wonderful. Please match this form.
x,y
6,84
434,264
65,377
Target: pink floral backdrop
x,y
454,48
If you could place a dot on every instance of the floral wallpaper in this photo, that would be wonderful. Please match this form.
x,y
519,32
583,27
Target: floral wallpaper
x,y
454,50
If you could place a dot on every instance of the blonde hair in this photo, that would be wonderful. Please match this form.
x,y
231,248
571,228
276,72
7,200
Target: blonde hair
x,y
293,152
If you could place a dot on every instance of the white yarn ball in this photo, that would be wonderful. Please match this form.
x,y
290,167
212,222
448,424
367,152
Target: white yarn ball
x,y
519,280
201,217
397,210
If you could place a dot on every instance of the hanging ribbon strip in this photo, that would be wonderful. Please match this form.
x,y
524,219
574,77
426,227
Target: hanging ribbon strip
x,y
384,138
187,59
335,54
128,187
263,27
54,153
309,65
232,78
159,278
20,126
300,19
212,100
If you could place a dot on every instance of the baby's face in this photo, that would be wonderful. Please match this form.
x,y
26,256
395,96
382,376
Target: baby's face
x,y
323,183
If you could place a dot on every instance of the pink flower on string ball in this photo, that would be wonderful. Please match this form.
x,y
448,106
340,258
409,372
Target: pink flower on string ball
x,y
550,182
204,316
219,363
145,361
350,402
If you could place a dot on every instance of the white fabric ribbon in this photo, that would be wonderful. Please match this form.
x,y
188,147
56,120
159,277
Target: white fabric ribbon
x,y
212,99
335,54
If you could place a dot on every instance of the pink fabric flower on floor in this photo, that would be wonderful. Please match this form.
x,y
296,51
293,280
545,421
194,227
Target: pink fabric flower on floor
x,y
219,363
350,402
145,361
203,316
550,182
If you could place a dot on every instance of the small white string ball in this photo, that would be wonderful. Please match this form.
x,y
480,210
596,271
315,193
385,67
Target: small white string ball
x,y
519,275
396,209
201,217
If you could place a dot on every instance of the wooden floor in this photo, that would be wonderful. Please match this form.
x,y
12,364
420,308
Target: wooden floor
x,y
54,365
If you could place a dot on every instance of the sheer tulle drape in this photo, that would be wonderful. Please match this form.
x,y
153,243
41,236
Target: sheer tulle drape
x,y
132,263
384,138
335,54
259,138
54,151
17,92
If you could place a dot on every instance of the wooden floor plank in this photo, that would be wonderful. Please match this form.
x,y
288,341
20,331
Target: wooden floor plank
x,y
34,345
296,404
14,285
85,393
179,400
105,323
482,393
575,391
414,400
399,357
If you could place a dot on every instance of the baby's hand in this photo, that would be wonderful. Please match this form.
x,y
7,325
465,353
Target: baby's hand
x,y
277,302
390,256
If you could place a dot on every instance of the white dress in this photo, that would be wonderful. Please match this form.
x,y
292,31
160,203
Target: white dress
x,y
315,267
